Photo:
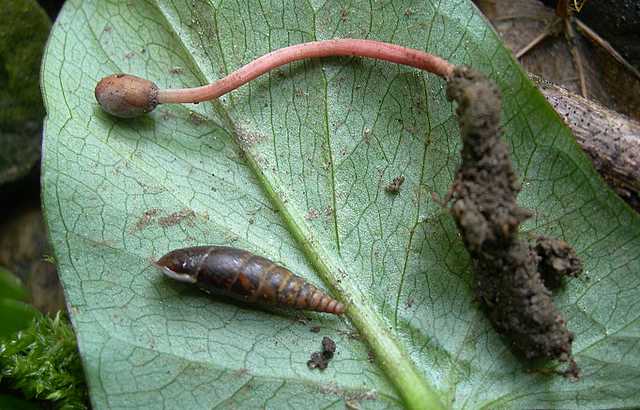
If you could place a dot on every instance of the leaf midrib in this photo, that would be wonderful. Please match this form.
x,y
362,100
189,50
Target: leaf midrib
x,y
401,372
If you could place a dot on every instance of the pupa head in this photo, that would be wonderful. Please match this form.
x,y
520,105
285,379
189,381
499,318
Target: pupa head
x,y
180,264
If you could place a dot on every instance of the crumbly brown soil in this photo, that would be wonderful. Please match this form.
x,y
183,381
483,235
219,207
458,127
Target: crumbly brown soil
x,y
320,360
556,260
483,203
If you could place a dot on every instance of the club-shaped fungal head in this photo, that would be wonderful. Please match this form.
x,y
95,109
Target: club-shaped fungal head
x,y
126,96
177,266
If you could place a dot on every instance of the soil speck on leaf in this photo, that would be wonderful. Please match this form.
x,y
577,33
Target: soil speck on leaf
x,y
243,371
394,186
248,138
344,14
351,405
303,320
320,360
328,346
410,302
146,218
509,283
177,217
366,135
352,396
230,237
315,329
351,334
311,214
317,361
196,119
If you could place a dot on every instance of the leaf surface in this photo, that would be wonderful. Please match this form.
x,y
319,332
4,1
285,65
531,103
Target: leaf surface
x,y
293,167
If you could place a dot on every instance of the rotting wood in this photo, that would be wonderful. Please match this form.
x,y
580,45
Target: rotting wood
x,y
611,140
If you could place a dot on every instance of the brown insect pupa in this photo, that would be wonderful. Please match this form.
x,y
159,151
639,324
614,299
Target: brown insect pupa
x,y
243,276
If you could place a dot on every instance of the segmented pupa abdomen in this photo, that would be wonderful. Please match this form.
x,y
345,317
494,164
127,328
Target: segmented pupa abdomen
x,y
242,275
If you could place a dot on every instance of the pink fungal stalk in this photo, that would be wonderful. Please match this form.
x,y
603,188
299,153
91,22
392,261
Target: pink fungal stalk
x,y
126,96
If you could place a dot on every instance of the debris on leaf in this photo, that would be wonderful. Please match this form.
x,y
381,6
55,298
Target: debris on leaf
x,y
317,361
177,217
509,270
328,347
556,260
320,360
394,186
146,218
311,214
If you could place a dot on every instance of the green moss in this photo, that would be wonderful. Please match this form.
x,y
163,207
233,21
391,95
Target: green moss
x,y
22,43
23,35
42,362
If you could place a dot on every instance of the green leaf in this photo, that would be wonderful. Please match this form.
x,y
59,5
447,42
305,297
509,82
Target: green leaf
x,y
293,167
11,287
15,316
10,402
23,32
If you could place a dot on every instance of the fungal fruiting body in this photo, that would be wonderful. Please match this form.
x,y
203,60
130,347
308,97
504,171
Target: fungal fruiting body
x,y
126,96
243,276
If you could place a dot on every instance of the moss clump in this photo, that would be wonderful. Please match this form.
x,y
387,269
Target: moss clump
x,y
23,34
22,42
43,363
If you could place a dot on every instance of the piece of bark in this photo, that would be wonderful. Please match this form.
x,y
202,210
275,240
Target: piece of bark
x,y
612,140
